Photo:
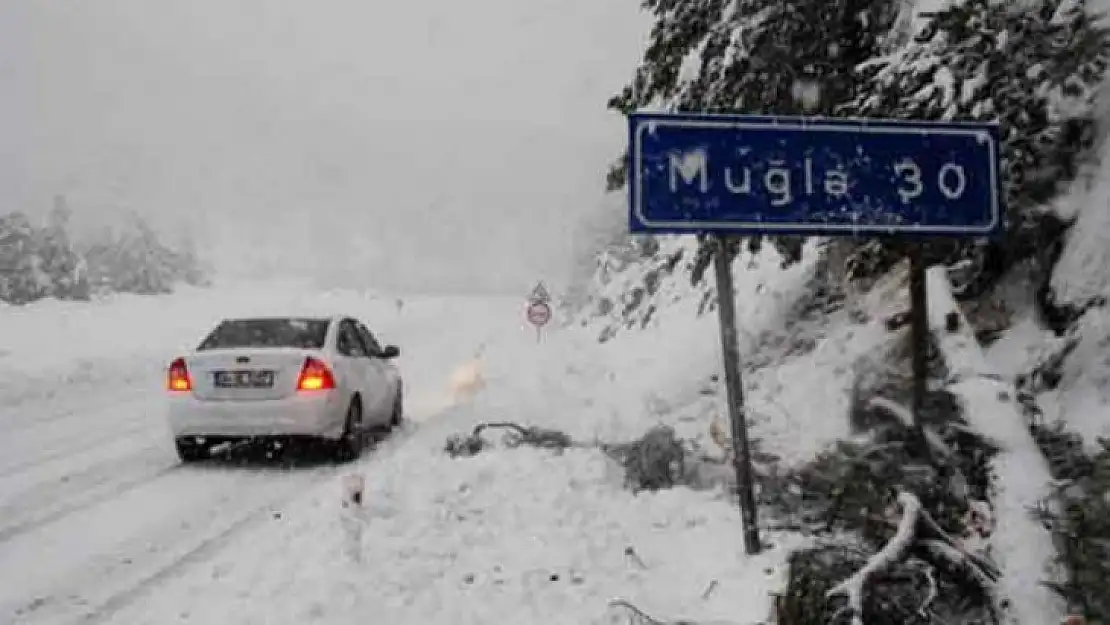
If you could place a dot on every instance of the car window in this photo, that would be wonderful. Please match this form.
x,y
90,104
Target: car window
x,y
368,338
262,333
348,343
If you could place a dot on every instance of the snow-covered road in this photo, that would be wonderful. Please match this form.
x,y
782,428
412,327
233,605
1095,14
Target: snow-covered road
x,y
100,524
95,510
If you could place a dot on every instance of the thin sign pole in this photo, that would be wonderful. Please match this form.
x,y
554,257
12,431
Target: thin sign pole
x,y
536,304
919,339
742,460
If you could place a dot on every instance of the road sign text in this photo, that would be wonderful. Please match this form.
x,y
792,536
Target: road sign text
x,y
736,174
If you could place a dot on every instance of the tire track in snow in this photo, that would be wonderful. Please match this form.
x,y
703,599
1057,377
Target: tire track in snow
x,y
198,552
81,442
93,582
90,497
15,425
380,450
142,573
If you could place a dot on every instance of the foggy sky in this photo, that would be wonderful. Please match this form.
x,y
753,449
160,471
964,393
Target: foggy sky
x,y
323,137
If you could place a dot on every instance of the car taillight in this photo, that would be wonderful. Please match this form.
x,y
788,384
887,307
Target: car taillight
x,y
179,376
315,376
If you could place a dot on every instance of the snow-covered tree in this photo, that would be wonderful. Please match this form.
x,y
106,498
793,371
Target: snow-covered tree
x,y
132,261
22,277
1033,67
60,261
753,56
135,260
38,262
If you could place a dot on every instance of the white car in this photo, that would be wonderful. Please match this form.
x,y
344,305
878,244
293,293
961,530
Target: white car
x,y
325,378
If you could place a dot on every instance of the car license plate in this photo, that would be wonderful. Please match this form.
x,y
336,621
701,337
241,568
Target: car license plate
x,y
244,379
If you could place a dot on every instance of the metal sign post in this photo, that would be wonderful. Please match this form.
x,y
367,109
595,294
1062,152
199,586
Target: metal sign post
x,y
734,392
731,175
919,342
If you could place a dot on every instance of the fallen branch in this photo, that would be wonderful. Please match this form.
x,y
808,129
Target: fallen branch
x,y
509,425
934,531
655,461
945,547
473,443
637,613
643,618
852,587
534,436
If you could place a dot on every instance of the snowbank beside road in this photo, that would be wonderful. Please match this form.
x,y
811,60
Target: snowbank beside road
x,y
531,536
512,536
1023,546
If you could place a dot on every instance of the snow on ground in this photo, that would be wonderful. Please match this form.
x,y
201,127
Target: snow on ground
x,y
1082,274
1022,546
93,503
527,536
1081,400
515,536
99,523
797,406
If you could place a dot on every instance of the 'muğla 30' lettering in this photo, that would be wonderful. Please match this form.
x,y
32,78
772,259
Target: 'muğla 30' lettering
x,y
778,180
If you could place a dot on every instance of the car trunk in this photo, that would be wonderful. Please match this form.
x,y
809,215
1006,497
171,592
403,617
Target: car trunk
x,y
246,374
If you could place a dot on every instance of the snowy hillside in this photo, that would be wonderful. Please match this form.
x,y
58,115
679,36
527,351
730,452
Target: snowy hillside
x,y
1027,332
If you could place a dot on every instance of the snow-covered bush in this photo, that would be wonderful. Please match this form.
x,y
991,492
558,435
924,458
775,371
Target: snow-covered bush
x,y
895,507
1078,511
1081,525
631,282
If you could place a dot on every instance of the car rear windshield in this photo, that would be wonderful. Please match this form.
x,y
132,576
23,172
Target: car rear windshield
x,y
293,332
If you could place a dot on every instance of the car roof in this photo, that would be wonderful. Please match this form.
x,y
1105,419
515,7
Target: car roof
x,y
276,317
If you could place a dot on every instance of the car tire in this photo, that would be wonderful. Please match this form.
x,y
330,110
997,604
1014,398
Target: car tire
x,y
189,450
397,417
349,445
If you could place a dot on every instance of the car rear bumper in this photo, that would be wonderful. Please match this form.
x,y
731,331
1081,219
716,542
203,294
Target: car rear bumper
x,y
307,414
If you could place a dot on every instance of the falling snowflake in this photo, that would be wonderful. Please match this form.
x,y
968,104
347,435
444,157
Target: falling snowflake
x,y
807,93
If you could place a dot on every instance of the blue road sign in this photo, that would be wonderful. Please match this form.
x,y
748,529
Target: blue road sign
x,y
792,175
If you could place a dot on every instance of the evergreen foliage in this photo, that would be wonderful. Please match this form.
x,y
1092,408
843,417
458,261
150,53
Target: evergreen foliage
x,y
1031,66
38,262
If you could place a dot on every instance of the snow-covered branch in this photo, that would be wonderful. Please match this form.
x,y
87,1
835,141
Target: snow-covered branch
x,y
905,418
852,587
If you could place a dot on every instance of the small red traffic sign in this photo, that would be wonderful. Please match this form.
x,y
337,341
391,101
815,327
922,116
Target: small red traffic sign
x,y
539,313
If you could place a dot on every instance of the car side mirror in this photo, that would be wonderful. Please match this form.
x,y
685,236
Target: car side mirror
x,y
390,351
